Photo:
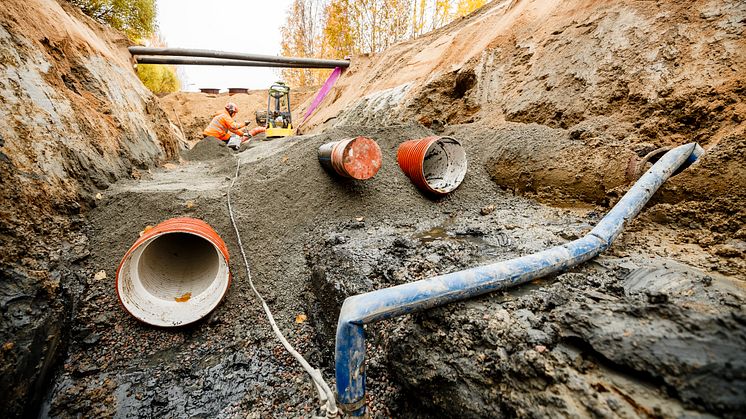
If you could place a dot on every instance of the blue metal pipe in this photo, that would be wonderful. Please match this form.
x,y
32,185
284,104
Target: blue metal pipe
x,y
443,289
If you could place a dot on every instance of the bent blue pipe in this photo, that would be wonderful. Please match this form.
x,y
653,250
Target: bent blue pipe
x,y
443,289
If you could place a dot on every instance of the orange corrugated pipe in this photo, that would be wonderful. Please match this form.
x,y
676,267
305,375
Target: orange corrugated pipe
x,y
174,274
357,158
436,165
257,130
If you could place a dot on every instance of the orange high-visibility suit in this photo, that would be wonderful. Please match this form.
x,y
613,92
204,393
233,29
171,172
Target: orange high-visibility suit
x,y
221,127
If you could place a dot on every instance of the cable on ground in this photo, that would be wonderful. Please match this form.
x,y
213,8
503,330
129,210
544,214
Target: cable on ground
x,y
326,396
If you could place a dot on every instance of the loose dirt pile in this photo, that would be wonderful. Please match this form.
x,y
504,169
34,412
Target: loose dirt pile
x,y
140,365
207,149
623,335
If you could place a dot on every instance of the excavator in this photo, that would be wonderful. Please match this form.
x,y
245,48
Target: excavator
x,y
277,119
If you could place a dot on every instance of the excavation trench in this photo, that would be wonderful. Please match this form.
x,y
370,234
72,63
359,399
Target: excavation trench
x,y
313,239
561,103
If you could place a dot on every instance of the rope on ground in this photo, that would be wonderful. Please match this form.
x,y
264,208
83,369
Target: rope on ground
x,y
326,396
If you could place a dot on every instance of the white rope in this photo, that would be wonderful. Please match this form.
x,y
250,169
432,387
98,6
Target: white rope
x,y
326,396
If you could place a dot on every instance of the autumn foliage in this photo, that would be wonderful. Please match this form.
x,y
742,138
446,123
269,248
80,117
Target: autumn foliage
x,y
158,78
136,18
338,28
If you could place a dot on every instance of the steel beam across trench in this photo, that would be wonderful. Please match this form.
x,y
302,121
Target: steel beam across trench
x,y
416,296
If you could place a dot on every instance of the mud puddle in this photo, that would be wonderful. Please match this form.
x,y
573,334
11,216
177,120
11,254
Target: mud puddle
x,y
487,251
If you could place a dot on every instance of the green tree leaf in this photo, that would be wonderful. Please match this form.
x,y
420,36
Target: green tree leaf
x,y
136,18
158,78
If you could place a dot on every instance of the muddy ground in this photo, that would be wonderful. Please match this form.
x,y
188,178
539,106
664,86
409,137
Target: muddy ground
x,y
74,118
635,332
556,97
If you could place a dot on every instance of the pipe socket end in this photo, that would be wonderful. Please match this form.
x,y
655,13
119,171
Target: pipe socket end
x,y
174,274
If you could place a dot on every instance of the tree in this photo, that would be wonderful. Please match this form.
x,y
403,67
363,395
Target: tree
x,y
464,7
136,18
158,78
337,39
418,17
394,22
337,28
301,36
441,13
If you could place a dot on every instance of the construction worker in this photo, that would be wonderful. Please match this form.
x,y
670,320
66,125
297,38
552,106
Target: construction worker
x,y
224,128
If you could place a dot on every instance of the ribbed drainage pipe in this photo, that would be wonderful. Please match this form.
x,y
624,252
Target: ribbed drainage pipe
x,y
176,273
357,158
436,165
416,296
257,130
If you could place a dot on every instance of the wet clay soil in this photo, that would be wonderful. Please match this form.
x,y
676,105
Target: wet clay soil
x,y
605,338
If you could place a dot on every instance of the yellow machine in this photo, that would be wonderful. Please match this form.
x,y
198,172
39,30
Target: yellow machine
x,y
278,121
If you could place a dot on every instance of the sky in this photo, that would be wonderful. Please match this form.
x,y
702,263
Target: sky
x,y
232,26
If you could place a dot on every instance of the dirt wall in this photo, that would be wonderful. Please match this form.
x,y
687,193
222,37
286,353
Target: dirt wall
x,y
604,83
73,118
616,77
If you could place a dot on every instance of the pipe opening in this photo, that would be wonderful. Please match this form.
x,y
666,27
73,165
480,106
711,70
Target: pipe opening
x,y
175,274
651,158
444,166
178,266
